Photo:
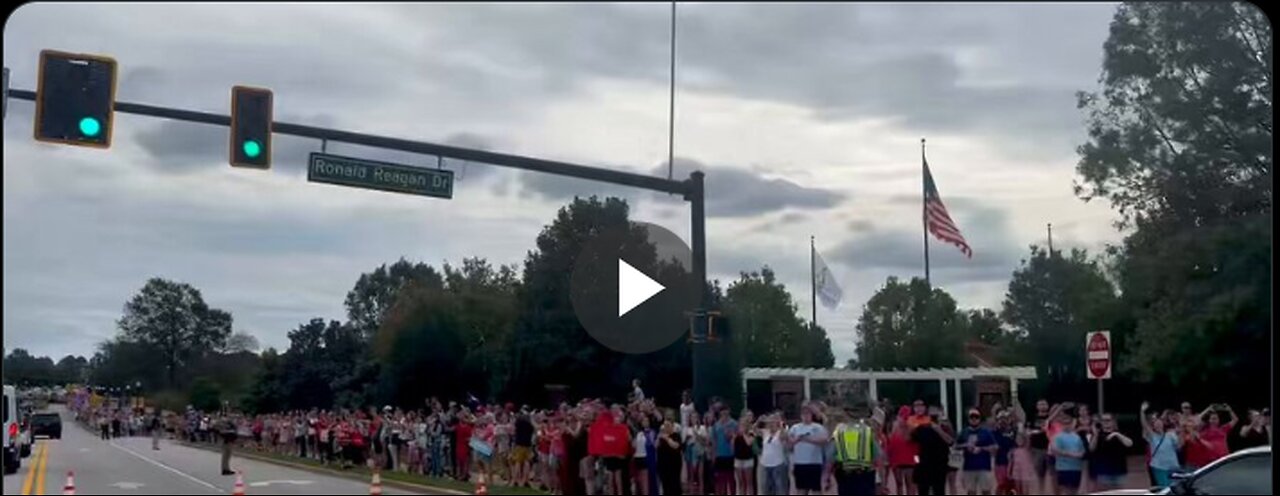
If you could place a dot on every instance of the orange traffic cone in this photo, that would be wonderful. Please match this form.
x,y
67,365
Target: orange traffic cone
x,y
481,488
239,489
70,488
375,489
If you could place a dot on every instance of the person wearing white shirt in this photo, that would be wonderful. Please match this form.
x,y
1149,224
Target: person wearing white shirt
x,y
773,457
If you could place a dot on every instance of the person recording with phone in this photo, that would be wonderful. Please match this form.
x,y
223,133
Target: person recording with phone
x,y
807,441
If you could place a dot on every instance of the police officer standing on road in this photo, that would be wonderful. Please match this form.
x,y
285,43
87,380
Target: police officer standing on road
x,y
157,428
227,428
855,455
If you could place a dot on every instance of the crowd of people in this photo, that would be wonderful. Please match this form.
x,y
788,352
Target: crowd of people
x,y
635,447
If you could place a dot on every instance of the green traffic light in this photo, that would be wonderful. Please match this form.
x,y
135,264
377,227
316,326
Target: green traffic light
x,y
90,127
252,149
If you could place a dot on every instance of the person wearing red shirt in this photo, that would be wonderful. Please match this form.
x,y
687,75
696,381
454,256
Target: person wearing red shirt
x,y
462,447
609,439
359,441
343,435
1210,443
902,456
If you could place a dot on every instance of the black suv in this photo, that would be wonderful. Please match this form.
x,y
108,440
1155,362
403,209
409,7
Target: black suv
x,y
46,424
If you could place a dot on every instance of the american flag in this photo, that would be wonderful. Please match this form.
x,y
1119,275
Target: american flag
x,y
936,219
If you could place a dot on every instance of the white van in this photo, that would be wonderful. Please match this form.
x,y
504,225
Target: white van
x,y
12,457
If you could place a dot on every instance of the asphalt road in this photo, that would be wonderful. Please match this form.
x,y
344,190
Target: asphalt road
x,y
128,466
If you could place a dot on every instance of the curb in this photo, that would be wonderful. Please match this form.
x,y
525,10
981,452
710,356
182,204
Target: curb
x,y
408,486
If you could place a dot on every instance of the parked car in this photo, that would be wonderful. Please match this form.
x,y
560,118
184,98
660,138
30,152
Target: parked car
x,y
1243,472
12,448
46,424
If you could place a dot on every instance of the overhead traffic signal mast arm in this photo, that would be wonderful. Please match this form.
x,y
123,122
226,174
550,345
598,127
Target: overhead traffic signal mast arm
x,y
420,147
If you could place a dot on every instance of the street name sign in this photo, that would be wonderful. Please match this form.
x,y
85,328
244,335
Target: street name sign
x,y
384,176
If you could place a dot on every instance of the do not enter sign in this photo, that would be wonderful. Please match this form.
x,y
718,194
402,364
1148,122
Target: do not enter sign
x,y
1098,354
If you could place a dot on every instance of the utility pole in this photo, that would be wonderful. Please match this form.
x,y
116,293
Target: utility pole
x,y
1051,239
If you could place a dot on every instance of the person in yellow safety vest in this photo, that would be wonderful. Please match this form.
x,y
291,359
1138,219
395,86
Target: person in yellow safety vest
x,y
854,440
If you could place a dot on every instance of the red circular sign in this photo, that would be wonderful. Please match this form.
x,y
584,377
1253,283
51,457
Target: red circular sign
x,y
1099,355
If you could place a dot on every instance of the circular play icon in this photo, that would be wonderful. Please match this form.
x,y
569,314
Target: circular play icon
x,y
632,287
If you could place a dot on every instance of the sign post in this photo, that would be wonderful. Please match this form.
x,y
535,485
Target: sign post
x,y
1097,347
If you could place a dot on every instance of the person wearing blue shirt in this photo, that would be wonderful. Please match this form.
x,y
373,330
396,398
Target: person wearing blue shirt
x,y
1163,446
1006,437
1068,457
979,444
722,439
807,440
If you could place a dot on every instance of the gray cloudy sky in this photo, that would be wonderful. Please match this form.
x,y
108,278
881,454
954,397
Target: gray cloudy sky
x,y
806,118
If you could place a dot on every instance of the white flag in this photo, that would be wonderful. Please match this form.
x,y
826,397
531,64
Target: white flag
x,y
828,291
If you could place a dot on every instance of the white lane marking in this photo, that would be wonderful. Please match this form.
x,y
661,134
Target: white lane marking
x,y
170,469
128,485
270,482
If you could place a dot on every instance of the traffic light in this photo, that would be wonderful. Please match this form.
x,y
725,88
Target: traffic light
x,y
250,127
75,99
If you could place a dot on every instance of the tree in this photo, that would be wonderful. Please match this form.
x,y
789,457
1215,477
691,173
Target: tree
x,y
1051,303
119,363
985,326
486,300
377,291
1180,141
909,324
550,346
767,332
267,393
205,395
173,318
21,368
71,370
240,342
1181,131
322,360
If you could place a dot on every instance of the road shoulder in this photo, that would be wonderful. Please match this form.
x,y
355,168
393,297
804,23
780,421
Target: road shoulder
x,y
351,475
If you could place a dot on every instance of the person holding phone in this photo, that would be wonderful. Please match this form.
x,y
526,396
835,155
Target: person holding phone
x,y
1213,434
1163,447
807,440
1068,451
1256,432
773,457
934,445
979,447
670,457
1109,450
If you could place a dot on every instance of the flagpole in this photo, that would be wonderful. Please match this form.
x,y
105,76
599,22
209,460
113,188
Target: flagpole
x,y
813,282
924,205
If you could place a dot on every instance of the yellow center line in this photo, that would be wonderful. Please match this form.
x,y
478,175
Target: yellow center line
x,y
31,472
44,466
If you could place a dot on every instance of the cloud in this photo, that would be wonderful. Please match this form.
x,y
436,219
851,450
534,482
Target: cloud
x,y
995,253
730,192
860,226
179,147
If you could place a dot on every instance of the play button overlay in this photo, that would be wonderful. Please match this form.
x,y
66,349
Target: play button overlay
x,y
632,287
